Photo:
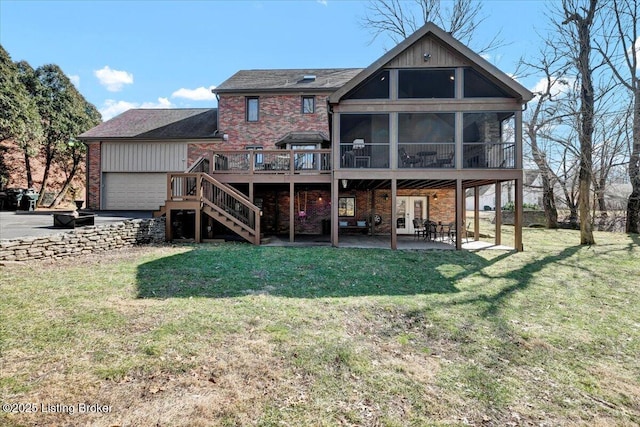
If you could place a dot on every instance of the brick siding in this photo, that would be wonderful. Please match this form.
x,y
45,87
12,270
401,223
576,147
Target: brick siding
x,y
94,171
278,115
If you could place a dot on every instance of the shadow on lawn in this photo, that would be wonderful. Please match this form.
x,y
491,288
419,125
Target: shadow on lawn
x,y
238,270
520,278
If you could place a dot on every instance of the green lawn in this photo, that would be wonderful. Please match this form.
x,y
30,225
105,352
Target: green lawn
x,y
236,335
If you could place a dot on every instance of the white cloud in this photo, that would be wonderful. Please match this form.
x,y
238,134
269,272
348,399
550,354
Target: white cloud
x,y
112,108
162,103
558,87
199,94
75,79
636,47
113,80
323,2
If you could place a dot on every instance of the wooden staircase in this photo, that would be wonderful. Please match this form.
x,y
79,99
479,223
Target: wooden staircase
x,y
201,192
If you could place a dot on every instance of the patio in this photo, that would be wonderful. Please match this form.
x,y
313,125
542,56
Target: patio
x,y
380,242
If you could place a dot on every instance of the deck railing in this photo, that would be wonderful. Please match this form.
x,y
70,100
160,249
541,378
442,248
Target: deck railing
x,y
489,155
372,156
272,161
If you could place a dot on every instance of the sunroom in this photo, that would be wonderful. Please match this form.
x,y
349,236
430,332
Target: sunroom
x,y
429,111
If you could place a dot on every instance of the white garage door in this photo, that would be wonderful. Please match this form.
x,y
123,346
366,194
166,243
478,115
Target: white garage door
x,y
134,191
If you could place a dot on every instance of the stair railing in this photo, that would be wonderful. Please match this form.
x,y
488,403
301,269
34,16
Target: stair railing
x,y
219,197
232,205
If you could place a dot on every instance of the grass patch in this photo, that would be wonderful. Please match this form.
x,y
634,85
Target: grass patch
x,y
233,334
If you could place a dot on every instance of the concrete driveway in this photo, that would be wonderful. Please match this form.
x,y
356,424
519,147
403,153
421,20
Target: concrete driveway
x,y
40,223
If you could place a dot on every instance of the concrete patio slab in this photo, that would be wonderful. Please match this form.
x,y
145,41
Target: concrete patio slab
x,y
17,224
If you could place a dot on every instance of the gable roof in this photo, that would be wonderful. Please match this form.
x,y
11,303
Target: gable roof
x,y
322,79
431,29
302,137
175,123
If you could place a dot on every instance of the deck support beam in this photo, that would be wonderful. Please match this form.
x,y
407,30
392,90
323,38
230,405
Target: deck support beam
x,y
460,212
518,216
292,212
476,213
498,209
394,214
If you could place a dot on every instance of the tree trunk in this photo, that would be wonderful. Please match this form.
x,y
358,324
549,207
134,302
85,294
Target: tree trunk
x,y
585,177
600,192
27,166
633,204
549,203
548,196
49,153
67,184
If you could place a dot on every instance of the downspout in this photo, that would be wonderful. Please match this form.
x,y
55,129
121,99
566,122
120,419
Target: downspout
x,y
86,176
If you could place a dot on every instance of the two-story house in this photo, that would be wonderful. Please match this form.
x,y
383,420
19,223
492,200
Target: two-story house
x,y
335,151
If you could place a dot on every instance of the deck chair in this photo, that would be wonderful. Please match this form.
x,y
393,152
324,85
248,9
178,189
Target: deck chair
x,y
446,162
407,160
431,230
419,228
465,231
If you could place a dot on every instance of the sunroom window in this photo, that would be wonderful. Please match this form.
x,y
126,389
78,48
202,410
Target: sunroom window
x,y
364,140
375,87
478,86
430,83
489,140
426,140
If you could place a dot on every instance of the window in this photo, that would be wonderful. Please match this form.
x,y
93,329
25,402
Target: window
x,y
370,127
346,206
308,104
376,87
426,83
489,140
364,140
252,109
258,157
477,86
304,161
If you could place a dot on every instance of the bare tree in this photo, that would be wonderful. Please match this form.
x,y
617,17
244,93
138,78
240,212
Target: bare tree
x,y
609,151
577,29
398,19
540,121
620,48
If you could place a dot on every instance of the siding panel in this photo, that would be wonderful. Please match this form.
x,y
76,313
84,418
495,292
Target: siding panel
x,y
441,56
144,156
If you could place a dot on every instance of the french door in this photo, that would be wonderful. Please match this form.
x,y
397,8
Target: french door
x,y
409,208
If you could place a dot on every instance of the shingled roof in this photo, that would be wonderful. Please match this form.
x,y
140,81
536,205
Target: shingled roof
x,y
178,123
323,79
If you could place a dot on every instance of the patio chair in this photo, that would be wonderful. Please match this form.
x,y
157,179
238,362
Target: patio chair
x,y
407,160
465,231
419,228
446,162
451,232
431,230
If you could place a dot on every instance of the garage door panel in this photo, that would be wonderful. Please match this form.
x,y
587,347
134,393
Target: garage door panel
x,y
134,191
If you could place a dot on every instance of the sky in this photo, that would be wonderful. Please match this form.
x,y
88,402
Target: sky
x,y
170,54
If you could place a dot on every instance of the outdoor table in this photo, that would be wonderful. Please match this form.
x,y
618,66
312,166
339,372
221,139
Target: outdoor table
x,y
425,155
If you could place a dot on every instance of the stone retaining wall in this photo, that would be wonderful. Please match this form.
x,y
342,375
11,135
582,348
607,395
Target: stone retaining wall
x,y
528,218
84,240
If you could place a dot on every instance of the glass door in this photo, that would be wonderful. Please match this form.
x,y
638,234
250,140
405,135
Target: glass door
x,y
409,208
402,213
